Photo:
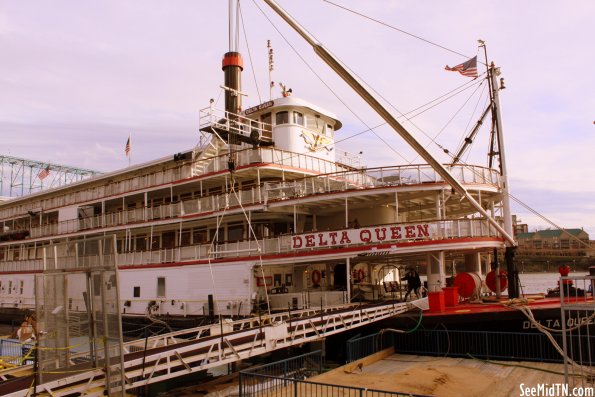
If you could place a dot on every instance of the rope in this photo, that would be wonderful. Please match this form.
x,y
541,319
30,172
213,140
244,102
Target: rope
x,y
251,231
249,53
548,333
397,29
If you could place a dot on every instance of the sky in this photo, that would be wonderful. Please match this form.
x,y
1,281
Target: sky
x,y
76,78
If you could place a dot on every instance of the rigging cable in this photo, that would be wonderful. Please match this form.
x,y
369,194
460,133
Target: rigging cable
x,y
471,117
369,128
324,82
336,95
395,28
249,53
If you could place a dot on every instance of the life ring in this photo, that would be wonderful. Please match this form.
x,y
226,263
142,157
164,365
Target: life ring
x,y
316,278
361,275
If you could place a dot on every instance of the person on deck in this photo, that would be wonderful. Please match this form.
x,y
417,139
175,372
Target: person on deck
x,y
413,283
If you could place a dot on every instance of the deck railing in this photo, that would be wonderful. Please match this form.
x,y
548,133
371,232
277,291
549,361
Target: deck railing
x,y
438,230
332,182
491,345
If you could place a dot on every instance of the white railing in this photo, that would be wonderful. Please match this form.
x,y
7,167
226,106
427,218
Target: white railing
x,y
325,183
440,230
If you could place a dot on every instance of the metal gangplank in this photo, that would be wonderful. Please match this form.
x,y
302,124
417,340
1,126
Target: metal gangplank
x,y
184,352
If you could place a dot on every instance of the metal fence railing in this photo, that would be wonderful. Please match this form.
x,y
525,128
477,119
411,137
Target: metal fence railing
x,y
287,378
488,345
363,346
13,352
281,387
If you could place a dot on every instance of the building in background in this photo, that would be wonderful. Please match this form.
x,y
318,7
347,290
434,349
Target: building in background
x,y
565,242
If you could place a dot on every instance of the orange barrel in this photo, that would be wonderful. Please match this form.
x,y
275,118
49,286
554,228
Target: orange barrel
x,y
436,301
468,283
451,296
491,280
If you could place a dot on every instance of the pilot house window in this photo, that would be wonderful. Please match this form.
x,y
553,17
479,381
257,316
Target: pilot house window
x,y
298,118
281,118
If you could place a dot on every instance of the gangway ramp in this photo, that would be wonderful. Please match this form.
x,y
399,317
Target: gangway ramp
x,y
180,353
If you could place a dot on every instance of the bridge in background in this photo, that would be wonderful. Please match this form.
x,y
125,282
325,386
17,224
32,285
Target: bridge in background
x,y
19,176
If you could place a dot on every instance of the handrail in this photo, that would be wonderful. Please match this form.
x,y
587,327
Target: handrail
x,y
337,181
439,230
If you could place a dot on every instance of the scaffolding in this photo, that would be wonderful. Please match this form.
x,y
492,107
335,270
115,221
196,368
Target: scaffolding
x,y
19,176
78,313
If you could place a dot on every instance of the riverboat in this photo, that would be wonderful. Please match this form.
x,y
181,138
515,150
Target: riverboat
x,y
266,214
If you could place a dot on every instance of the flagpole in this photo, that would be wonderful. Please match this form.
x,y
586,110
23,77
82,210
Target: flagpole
x,y
130,149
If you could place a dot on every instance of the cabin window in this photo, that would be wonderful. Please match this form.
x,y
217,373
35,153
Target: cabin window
x,y
185,238
22,287
10,287
282,118
141,243
235,232
160,287
136,292
298,118
168,240
199,235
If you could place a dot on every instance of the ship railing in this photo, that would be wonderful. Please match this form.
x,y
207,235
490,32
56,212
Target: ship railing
x,y
325,183
446,229
265,155
439,229
24,265
218,119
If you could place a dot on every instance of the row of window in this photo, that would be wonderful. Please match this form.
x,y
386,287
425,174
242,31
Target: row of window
x,y
160,289
311,122
9,288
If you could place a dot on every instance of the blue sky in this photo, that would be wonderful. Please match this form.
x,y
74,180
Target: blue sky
x,y
77,77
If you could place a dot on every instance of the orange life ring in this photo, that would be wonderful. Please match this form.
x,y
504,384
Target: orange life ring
x,y
316,278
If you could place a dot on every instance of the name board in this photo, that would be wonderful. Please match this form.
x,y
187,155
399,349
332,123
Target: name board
x,y
259,107
362,235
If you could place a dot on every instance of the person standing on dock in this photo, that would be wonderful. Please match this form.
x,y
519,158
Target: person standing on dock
x,y
26,335
413,283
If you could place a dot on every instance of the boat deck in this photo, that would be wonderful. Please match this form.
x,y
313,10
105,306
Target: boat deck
x,y
497,306
501,315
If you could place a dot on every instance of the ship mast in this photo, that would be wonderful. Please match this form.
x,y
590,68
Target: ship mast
x,y
389,118
495,87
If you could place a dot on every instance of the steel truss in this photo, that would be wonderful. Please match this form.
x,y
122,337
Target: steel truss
x,y
20,176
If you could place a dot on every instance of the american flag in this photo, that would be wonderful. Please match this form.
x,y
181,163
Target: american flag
x,y
128,147
44,173
468,68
